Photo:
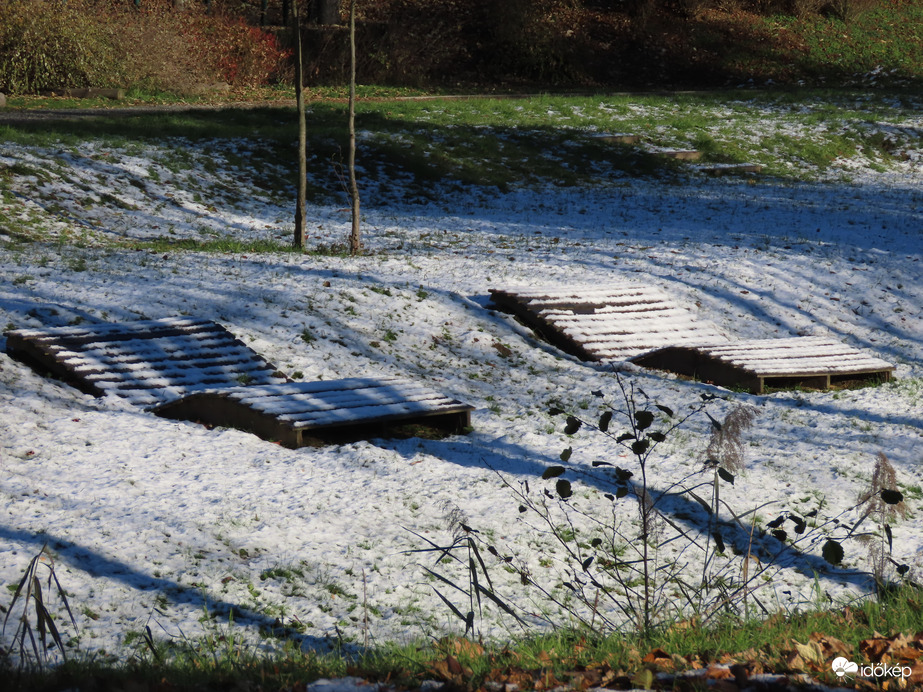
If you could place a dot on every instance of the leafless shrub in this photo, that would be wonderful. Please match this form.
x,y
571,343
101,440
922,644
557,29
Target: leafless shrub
x,y
882,498
465,552
805,8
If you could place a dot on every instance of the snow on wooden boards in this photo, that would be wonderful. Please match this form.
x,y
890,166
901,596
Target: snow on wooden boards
x,y
192,369
603,323
812,362
147,362
642,324
301,413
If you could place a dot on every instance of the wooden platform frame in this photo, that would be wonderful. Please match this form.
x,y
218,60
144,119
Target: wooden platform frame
x,y
763,364
193,369
641,324
606,323
146,362
298,414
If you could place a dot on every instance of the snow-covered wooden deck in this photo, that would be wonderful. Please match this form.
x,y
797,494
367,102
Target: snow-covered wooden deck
x,y
147,362
299,413
606,323
643,325
810,362
192,369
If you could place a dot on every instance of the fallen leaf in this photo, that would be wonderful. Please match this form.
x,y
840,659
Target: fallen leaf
x,y
906,648
461,646
659,658
794,661
876,650
455,668
831,647
718,673
644,679
685,625
810,652
503,350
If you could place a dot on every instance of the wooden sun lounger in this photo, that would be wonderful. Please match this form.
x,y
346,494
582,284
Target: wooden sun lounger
x,y
606,323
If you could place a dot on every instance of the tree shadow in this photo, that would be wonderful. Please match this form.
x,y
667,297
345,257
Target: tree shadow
x,y
513,462
100,566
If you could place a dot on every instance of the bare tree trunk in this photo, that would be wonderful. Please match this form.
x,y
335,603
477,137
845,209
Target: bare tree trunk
x,y
300,211
355,242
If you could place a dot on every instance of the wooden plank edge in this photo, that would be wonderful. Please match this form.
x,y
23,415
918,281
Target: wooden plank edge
x,y
678,154
617,138
731,169
45,363
699,364
216,409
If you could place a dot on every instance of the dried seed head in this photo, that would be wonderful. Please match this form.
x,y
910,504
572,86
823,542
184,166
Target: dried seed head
x,y
878,497
726,446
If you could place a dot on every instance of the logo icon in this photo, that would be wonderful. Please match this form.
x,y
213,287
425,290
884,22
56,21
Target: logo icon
x,y
842,667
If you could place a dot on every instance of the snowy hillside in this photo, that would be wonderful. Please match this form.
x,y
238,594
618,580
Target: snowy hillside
x,y
155,522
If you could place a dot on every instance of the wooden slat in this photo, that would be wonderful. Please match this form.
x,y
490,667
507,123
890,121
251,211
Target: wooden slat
x,y
801,356
611,322
678,154
617,137
146,362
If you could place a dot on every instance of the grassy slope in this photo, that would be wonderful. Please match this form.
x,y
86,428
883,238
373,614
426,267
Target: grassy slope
x,y
880,47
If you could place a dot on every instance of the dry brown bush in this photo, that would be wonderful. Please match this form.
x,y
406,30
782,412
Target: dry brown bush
x,y
157,49
52,45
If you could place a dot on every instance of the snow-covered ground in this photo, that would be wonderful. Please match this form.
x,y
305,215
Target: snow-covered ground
x,y
170,525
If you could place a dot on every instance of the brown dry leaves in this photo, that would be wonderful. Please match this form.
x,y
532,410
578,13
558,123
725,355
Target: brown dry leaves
x,y
768,669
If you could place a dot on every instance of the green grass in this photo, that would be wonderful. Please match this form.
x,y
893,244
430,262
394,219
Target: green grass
x,y
489,145
226,245
220,659
887,39
498,143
